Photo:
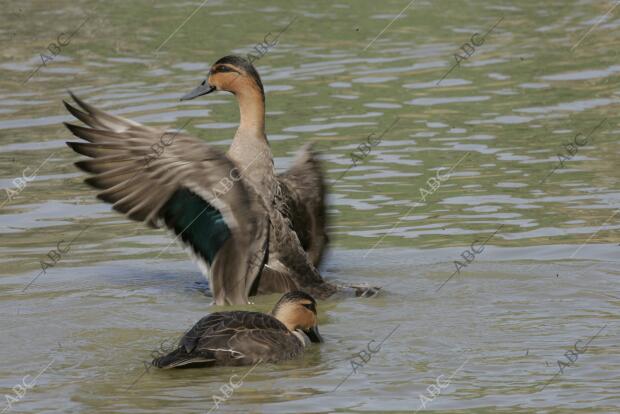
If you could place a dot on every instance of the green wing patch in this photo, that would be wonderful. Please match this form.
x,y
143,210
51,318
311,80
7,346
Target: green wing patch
x,y
199,223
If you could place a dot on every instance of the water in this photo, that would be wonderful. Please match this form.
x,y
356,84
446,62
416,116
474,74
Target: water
x,y
492,129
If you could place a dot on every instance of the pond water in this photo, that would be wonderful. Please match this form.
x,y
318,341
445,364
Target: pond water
x,y
486,206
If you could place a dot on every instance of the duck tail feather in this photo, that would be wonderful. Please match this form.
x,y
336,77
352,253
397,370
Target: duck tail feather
x,y
179,358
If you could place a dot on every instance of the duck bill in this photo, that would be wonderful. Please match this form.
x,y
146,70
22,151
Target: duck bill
x,y
314,335
199,91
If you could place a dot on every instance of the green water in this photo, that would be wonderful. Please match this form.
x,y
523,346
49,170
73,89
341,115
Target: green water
x,y
494,129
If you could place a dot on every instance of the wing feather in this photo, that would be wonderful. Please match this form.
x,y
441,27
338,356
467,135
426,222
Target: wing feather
x,y
302,201
229,227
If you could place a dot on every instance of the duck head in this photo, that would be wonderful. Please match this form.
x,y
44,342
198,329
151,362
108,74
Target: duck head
x,y
232,74
297,311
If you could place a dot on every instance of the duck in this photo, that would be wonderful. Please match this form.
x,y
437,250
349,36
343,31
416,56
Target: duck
x,y
247,338
250,230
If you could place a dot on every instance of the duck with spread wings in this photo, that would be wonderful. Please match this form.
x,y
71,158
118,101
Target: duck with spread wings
x,y
250,230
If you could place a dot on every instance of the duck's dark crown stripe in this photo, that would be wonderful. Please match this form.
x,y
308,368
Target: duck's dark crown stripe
x,y
244,64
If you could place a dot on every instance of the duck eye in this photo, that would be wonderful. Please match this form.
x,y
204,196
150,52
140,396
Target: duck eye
x,y
224,69
310,306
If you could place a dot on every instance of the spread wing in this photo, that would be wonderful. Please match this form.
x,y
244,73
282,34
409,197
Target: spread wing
x,y
174,180
302,201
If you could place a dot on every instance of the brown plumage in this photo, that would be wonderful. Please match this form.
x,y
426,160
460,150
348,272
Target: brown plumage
x,y
302,201
246,338
250,230
141,190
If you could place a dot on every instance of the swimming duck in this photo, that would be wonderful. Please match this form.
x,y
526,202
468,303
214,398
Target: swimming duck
x,y
250,230
246,338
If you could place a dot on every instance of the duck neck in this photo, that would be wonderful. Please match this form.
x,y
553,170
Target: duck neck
x,y
290,325
252,113
285,314
250,149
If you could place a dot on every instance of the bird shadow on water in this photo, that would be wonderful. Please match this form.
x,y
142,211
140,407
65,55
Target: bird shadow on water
x,y
201,286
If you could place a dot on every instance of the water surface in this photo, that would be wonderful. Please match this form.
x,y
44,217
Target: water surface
x,y
494,128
